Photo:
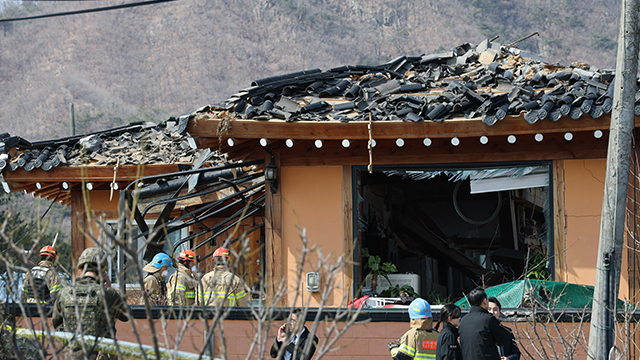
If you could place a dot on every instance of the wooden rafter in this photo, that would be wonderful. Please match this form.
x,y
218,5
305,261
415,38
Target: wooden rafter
x,y
203,130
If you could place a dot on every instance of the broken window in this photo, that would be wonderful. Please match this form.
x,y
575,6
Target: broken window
x,y
450,229
130,272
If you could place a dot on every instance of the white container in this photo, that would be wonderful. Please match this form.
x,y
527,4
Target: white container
x,y
396,279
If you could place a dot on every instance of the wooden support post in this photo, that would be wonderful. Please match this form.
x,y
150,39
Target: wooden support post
x,y
78,223
273,234
612,224
559,222
347,216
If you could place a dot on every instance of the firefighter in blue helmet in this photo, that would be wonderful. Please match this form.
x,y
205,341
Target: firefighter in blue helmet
x,y
154,283
420,341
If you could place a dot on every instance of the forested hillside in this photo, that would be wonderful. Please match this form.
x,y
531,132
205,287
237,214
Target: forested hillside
x,y
155,61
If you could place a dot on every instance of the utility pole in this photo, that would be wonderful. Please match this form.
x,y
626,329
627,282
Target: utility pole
x,y
72,118
601,332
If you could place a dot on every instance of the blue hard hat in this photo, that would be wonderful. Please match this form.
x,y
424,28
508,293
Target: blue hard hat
x,y
419,309
160,260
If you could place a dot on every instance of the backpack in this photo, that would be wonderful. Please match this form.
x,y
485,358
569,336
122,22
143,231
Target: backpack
x,y
40,289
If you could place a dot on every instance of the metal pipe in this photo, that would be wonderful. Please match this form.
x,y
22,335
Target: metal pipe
x,y
127,349
197,171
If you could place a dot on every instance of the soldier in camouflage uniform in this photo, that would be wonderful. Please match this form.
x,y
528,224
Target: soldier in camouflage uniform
x,y
421,340
154,283
182,285
42,282
221,286
88,299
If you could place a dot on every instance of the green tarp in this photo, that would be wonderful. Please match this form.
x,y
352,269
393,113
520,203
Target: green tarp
x,y
552,294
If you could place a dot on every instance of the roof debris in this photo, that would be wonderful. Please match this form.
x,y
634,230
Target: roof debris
x,y
488,81
134,144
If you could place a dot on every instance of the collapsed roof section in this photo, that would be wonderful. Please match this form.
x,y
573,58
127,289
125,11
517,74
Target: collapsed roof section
x,y
133,144
488,81
108,159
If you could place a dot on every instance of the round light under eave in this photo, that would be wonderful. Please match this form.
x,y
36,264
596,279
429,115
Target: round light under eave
x,y
484,140
455,141
373,143
231,142
346,143
538,137
597,134
568,136
399,142
38,186
89,186
264,142
289,143
65,185
318,143
427,142
511,139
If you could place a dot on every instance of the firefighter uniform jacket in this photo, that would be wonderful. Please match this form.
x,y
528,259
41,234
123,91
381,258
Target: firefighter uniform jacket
x,y
220,285
46,283
156,288
181,287
418,343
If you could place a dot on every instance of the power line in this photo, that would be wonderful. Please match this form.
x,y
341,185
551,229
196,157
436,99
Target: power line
x,y
115,7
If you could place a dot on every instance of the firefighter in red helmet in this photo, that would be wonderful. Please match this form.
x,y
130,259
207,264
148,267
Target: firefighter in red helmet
x,y
182,285
220,286
42,282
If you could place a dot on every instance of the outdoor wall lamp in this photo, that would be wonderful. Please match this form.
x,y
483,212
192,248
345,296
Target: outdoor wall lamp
x,y
271,175
313,281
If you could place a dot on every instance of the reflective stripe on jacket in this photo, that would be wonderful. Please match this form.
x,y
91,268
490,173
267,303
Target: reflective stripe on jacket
x,y
181,287
220,285
417,343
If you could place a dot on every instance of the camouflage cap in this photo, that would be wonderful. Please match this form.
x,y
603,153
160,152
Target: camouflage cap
x,y
92,255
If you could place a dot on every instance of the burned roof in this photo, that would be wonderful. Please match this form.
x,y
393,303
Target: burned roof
x,y
488,81
133,144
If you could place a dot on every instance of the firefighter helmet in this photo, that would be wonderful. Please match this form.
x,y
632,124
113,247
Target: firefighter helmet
x,y
92,255
221,252
160,260
419,309
187,255
48,250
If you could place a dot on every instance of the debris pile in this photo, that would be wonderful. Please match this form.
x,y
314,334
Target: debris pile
x,y
488,81
130,145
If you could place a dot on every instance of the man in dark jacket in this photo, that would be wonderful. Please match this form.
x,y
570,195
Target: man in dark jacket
x,y
296,336
509,351
480,331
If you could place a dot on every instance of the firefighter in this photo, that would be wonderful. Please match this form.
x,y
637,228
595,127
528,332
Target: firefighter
x,y
154,283
220,286
421,340
182,285
42,282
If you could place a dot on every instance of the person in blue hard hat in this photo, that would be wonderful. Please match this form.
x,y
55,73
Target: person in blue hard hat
x,y
154,284
421,340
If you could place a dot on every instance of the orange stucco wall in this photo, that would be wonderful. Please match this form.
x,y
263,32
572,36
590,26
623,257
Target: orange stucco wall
x,y
364,341
312,199
583,194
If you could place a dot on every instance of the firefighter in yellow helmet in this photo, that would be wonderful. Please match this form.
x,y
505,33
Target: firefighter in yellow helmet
x,y
420,341
182,284
220,286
